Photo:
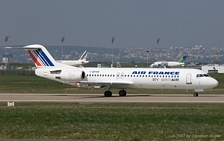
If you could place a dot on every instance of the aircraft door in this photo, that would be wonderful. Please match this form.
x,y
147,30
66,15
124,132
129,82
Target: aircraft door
x,y
118,75
188,79
122,75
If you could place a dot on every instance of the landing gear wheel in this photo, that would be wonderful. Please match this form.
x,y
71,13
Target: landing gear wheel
x,y
107,93
122,93
195,94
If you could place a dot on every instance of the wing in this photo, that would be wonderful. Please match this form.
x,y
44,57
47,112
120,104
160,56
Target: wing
x,y
112,84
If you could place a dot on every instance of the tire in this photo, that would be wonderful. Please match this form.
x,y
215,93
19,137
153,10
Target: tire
x,y
107,93
122,93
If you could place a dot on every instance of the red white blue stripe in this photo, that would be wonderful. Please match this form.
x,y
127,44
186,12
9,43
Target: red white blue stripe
x,y
40,58
84,56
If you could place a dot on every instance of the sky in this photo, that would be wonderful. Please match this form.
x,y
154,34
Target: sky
x,y
93,23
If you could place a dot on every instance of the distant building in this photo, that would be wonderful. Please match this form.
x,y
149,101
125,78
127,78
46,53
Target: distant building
x,y
4,60
213,68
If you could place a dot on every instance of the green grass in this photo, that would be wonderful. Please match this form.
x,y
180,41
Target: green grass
x,y
136,121
127,121
15,83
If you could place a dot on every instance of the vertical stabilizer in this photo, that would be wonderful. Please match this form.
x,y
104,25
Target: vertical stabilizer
x,y
84,56
40,56
182,59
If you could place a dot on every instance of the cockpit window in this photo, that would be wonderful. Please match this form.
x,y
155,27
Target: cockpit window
x,y
202,75
206,75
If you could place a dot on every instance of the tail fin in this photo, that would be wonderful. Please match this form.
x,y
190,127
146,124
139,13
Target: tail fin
x,y
40,56
182,59
84,56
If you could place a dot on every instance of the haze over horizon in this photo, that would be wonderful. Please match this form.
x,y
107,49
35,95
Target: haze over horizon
x,y
93,23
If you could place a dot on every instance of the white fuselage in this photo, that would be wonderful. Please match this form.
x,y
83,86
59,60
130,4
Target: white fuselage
x,y
73,62
167,63
149,78
120,78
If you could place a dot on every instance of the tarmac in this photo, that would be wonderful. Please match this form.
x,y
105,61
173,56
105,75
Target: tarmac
x,y
99,98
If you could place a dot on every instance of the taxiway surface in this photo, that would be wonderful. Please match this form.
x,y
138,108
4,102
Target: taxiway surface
x,y
99,98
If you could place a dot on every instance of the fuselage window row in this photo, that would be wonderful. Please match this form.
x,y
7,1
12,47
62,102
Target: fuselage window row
x,y
155,76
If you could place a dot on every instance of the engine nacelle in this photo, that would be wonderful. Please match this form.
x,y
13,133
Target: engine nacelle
x,y
76,75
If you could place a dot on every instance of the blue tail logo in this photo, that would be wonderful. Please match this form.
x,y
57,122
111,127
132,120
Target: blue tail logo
x,y
40,58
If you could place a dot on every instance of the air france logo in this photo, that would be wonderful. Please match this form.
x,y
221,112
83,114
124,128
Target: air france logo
x,y
173,76
157,72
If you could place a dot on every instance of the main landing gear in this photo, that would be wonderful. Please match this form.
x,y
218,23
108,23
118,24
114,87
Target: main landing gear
x,y
122,93
195,94
109,93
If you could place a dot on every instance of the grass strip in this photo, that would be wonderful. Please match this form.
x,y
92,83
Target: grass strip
x,y
116,121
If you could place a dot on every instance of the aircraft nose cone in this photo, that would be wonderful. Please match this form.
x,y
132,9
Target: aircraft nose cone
x,y
214,83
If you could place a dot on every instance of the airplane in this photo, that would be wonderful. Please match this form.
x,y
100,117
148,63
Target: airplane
x,y
178,63
118,78
81,61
